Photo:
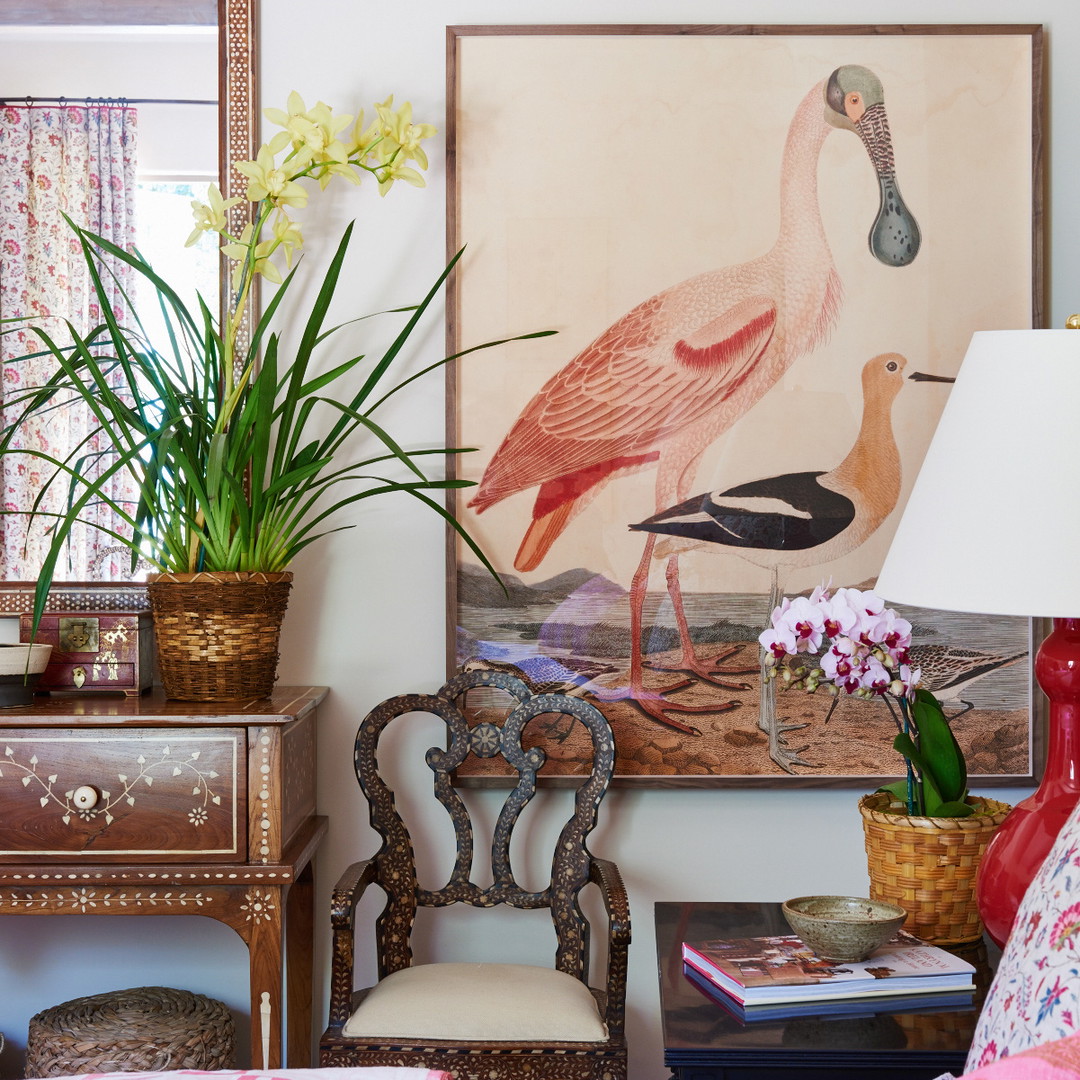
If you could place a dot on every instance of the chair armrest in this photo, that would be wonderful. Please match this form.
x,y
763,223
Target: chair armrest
x,y
348,890
606,875
343,901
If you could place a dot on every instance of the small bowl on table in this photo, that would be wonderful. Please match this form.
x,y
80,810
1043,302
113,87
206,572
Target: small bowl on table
x,y
843,928
21,666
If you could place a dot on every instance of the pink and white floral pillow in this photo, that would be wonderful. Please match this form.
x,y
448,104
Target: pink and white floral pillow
x,y
1057,1060
1035,996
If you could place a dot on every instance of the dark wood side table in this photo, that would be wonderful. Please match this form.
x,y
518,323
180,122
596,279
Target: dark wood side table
x,y
703,1042
143,806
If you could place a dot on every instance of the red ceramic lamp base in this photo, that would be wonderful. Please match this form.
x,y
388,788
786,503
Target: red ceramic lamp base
x,y
1018,848
1013,857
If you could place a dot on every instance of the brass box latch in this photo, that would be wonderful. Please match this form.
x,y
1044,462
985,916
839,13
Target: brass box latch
x,y
78,635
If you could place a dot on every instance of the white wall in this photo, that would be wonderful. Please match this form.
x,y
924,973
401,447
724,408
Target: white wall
x,y
367,618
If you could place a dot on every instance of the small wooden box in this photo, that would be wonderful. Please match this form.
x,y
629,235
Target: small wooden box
x,y
95,652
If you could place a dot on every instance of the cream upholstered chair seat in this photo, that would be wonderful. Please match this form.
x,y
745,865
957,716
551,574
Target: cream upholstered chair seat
x,y
483,1020
424,1002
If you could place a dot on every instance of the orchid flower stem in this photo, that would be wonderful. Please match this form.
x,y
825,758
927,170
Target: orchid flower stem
x,y
905,708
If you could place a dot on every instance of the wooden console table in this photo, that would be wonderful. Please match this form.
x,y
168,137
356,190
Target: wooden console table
x,y
143,806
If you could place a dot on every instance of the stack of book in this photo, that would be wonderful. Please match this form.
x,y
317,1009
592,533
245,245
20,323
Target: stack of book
x,y
778,976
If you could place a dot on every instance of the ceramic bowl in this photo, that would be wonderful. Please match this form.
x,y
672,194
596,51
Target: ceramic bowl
x,y
19,678
843,928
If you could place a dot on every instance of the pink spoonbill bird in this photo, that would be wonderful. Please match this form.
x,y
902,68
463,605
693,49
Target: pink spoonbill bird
x,y
667,379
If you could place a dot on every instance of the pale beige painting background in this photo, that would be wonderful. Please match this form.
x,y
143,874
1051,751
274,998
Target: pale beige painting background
x,y
595,171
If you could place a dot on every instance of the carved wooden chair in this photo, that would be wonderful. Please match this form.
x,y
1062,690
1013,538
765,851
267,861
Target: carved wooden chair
x,y
495,1021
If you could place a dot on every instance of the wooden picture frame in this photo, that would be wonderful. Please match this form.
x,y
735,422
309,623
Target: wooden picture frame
x,y
621,184
238,140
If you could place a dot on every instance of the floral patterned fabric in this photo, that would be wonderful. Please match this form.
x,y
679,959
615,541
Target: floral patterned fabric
x,y
1057,1060
1035,996
79,161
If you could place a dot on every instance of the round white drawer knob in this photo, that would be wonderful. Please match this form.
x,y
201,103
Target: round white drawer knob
x,y
85,797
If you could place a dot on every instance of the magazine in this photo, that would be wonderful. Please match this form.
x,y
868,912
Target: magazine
x,y
865,1006
764,970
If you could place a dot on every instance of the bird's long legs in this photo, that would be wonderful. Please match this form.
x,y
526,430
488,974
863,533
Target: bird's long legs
x,y
648,700
768,721
700,670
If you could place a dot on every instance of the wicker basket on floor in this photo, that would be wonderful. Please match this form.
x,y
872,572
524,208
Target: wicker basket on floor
x,y
928,865
145,1029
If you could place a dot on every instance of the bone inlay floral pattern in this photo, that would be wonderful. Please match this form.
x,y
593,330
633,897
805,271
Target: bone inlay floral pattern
x,y
170,765
87,901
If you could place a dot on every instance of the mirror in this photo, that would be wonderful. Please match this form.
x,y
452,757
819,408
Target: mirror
x,y
237,109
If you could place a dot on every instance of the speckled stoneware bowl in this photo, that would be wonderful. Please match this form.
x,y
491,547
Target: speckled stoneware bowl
x,y
843,928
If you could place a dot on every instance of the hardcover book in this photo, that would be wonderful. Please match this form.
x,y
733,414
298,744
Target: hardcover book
x,y
780,968
850,1007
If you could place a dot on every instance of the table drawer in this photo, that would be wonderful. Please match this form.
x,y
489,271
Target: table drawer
x,y
123,795
88,677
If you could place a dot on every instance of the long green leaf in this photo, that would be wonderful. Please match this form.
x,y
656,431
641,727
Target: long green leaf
x,y
939,748
457,356
287,438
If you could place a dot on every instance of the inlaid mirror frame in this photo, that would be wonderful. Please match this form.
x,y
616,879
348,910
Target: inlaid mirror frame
x,y
237,141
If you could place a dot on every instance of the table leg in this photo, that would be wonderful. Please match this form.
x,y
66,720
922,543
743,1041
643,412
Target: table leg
x,y
266,921
299,946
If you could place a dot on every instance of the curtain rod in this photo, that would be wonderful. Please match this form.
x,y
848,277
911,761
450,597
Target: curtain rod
x,y
23,99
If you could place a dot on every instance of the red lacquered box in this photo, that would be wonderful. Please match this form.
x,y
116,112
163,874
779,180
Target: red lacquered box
x,y
95,652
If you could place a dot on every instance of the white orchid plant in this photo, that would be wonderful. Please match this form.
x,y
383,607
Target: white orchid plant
x,y
849,642
238,453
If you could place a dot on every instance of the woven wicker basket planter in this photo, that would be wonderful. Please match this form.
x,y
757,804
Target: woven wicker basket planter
x,y
145,1029
217,632
928,865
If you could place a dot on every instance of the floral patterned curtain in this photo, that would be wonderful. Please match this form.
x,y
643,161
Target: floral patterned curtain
x,y
54,160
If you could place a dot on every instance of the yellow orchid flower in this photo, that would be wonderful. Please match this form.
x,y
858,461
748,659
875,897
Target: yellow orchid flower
x,y
311,136
241,251
313,132
263,265
296,107
238,250
325,173
267,181
399,132
363,138
287,235
211,216
322,134
397,170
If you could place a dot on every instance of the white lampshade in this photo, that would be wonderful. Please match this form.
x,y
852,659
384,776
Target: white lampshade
x,y
993,522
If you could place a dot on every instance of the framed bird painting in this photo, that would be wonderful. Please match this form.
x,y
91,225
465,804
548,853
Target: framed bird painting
x,y
764,251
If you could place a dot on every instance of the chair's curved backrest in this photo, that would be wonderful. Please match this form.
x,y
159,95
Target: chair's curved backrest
x,y
395,862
